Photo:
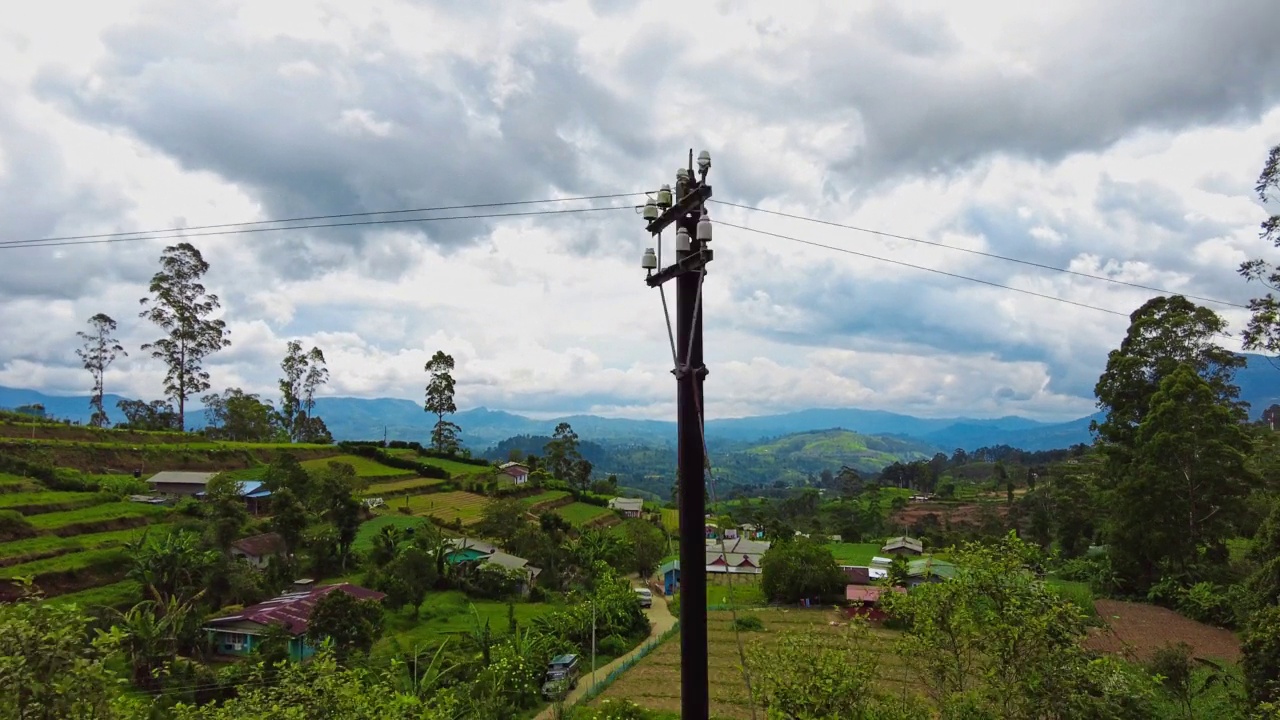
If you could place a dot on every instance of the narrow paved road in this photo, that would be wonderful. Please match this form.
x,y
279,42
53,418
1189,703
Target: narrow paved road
x,y
660,620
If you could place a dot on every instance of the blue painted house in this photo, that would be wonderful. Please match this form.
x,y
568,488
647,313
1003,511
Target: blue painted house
x,y
241,633
670,572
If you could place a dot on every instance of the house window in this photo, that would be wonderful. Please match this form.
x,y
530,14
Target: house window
x,y
234,641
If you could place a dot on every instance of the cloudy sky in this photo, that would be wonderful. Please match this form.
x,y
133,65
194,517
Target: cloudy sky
x,y
1119,139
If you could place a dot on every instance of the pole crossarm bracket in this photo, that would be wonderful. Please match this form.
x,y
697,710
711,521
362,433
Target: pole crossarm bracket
x,y
691,263
690,203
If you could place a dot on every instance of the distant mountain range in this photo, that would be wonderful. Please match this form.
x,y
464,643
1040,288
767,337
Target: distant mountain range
x,y
365,418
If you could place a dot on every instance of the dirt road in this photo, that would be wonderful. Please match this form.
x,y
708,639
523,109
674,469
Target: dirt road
x,y
660,620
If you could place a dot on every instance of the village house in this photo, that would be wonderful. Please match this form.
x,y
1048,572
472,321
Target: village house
x,y
477,552
929,570
254,493
864,601
519,473
241,633
629,507
258,550
180,483
903,546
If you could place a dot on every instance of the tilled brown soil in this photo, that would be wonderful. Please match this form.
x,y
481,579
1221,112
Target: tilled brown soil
x,y
1137,630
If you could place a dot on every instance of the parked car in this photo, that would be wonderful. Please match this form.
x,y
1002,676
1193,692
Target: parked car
x,y
646,597
562,676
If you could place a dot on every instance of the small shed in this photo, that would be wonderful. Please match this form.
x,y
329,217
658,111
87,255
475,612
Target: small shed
x,y
855,575
903,546
864,600
180,483
670,572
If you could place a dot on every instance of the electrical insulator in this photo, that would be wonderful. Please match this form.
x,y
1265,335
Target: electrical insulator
x,y
650,210
682,240
704,227
650,260
704,161
664,197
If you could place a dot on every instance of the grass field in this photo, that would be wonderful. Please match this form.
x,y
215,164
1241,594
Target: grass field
x,y
455,468
31,549
579,514
446,505
449,613
107,557
14,484
365,467
42,501
1077,592
654,683
854,553
408,486
115,595
367,531
96,514
548,496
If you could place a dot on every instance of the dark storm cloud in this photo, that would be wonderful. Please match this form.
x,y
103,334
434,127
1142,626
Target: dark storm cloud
x,y
188,87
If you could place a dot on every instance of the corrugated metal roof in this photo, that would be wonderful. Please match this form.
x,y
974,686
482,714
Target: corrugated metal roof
x,y
182,477
292,610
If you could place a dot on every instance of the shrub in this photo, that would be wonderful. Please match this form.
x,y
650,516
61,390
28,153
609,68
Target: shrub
x,y
614,710
612,645
14,526
748,623
1207,603
404,510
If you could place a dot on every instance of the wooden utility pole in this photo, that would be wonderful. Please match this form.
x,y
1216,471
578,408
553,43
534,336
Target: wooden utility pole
x,y
686,209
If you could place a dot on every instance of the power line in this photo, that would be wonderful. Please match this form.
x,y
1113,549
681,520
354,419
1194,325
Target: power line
x,y
994,256
926,269
245,231
318,217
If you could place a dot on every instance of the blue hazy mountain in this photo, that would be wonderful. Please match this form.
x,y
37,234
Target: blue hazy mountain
x,y
367,418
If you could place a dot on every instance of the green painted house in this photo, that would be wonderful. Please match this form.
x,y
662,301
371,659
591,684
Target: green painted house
x,y
243,632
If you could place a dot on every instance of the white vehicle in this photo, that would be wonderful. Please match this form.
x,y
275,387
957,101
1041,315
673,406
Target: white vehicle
x,y
646,597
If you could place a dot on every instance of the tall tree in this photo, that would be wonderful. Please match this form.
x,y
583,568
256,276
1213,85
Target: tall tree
x,y
561,453
1175,511
141,415
1165,333
1263,331
304,374
240,416
99,351
444,436
181,307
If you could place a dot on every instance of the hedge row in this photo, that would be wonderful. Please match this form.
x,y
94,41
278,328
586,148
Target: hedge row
x,y
379,455
416,447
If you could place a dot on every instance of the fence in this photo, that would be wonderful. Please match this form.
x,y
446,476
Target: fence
x,y
595,690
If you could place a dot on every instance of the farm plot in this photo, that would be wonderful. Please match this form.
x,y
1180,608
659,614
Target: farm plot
x,y
455,468
103,517
448,506
116,595
408,486
15,484
1137,630
854,553
579,514
654,683
43,501
48,546
369,530
365,467
534,502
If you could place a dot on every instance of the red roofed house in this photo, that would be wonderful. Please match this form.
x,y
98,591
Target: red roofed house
x,y
519,473
239,634
866,600
257,550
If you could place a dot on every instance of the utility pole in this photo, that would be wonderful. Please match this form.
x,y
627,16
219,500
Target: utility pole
x,y
686,209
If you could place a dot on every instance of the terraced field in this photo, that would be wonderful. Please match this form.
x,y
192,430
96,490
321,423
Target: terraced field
x,y
43,501
408,486
671,520
533,502
654,683
365,467
448,505
97,518
579,514
48,546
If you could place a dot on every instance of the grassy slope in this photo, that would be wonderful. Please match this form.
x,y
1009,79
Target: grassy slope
x,y
40,501
364,537
445,505
115,595
45,545
449,613
364,466
854,553
578,513
408,486
106,557
97,513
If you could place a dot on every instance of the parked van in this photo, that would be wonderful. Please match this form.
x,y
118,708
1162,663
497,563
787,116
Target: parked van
x,y
646,597
562,676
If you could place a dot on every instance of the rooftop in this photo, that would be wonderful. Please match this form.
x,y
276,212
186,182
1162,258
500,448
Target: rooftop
x,y
293,610
633,504
909,543
260,545
866,593
182,477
